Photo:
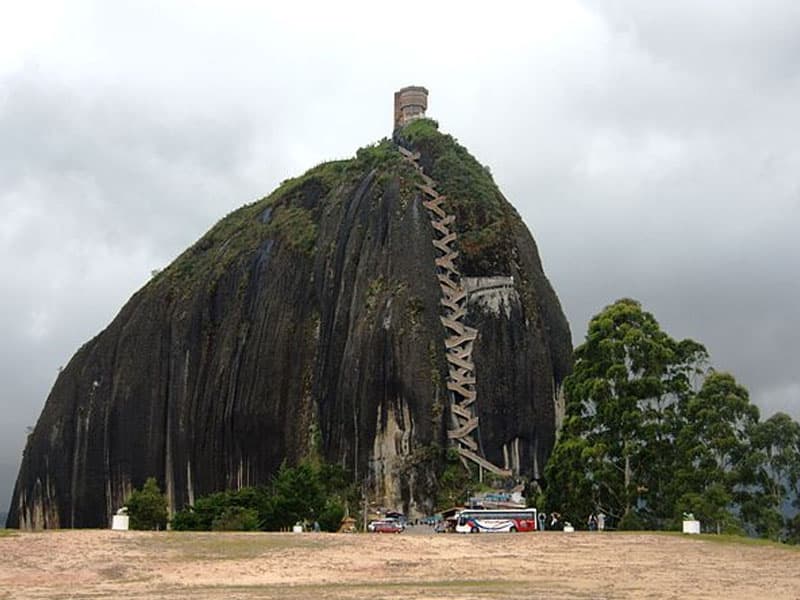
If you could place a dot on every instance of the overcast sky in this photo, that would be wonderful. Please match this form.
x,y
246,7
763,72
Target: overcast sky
x,y
652,149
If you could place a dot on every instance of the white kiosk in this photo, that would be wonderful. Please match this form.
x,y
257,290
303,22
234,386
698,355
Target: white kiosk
x,y
121,520
690,524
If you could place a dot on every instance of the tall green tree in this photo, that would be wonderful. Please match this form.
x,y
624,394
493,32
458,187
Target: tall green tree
x,y
616,449
716,451
775,471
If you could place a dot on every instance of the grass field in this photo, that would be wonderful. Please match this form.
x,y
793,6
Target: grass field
x,y
100,564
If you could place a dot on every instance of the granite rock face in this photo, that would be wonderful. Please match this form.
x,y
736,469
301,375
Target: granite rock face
x,y
308,319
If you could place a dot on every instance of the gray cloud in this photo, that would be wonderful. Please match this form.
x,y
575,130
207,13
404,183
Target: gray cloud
x,y
649,147
664,167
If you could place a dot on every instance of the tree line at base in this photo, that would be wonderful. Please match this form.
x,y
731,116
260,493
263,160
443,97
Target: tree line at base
x,y
309,492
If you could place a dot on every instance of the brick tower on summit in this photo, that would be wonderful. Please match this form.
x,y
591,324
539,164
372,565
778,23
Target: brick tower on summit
x,y
410,103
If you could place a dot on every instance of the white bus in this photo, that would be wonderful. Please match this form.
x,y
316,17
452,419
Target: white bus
x,y
474,520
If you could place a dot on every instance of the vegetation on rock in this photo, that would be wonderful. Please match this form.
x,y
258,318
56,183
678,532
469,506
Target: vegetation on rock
x,y
483,217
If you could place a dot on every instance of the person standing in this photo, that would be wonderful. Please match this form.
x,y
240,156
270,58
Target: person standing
x,y
592,522
601,521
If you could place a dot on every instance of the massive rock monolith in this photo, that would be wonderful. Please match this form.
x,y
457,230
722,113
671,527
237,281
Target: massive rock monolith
x,y
310,319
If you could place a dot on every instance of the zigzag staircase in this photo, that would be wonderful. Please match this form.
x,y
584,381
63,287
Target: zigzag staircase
x,y
458,345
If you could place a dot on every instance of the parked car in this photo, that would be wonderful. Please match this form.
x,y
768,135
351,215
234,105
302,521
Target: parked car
x,y
385,526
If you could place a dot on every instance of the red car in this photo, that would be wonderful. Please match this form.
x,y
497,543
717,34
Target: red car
x,y
385,526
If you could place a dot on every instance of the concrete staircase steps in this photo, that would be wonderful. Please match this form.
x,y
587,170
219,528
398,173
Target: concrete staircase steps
x,y
459,345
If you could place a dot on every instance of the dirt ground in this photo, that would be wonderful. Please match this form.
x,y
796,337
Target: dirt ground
x,y
548,565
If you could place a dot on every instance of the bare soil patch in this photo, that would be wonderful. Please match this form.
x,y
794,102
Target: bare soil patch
x,y
551,565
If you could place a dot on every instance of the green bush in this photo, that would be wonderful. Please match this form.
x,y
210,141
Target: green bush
x,y
237,518
631,521
147,508
308,492
380,154
330,518
297,495
201,516
188,520
222,507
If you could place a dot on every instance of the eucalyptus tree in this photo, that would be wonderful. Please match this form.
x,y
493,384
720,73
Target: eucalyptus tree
x,y
717,453
774,472
616,450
